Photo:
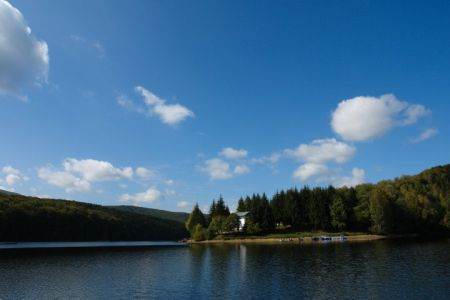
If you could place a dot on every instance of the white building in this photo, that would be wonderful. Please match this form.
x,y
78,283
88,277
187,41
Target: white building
x,y
242,216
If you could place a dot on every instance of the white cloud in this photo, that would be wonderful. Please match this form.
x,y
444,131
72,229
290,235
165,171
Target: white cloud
x,y
182,204
413,113
363,118
10,170
149,98
13,176
232,153
425,135
267,160
241,169
310,170
24,59
11,179
144,173
149,196
357,177
78,175
170,114
218,169
95,170
64,179
322,151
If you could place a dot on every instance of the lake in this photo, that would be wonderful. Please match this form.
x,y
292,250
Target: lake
x,y
397,269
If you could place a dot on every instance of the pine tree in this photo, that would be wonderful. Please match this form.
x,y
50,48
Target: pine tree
x,y
195,218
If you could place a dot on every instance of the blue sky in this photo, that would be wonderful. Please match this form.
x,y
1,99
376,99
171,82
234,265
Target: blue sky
x,y
167,103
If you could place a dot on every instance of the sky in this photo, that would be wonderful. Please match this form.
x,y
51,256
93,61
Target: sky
x,y
165,104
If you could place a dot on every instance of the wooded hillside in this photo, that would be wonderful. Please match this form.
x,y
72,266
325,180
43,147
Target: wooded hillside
x,y
25,218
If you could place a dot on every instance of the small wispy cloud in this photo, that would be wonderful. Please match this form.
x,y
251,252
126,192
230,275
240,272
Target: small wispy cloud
x,y
425,135
96,46
170,114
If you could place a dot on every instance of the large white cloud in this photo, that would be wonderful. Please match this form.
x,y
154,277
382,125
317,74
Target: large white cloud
x,y
24,59
170,114
149,196
63,179
363,118
96,170
232,153
79,174
322,151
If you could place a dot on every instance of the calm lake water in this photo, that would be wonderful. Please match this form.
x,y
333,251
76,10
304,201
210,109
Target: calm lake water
x,y
378,270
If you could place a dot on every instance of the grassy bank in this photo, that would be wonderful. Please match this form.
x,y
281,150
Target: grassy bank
x,y
294,237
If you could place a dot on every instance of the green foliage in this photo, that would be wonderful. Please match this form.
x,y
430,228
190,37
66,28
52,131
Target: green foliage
x,y
196,217
241,205
198,233
252,228
25,218
210,234
380,211
219,208
231,223
217,225
260,211
338,213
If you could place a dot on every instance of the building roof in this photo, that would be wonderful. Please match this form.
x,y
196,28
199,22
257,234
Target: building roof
x,y
241,213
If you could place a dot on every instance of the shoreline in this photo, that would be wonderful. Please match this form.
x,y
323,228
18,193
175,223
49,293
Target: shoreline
x,y
292,240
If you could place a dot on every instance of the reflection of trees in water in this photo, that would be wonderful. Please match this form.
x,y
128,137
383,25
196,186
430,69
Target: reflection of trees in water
x,y
196,266
215,269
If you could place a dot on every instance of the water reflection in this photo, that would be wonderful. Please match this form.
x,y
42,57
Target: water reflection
x,y
404,269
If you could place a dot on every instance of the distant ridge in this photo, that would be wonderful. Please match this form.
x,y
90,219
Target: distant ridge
x,y
153,212
24,218
7,192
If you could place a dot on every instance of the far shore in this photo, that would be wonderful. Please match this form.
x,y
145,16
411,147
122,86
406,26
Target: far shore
x,y
291,239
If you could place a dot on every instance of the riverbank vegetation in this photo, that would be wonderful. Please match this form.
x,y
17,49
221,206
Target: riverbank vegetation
x,y
409,204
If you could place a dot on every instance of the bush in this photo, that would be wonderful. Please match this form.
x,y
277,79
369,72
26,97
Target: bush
x,y
199,233
252,228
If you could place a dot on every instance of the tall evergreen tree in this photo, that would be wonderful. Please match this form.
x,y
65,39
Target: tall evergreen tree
x,y
196,217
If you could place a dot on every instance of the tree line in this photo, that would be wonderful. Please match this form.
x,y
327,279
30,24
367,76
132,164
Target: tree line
x,y
409,204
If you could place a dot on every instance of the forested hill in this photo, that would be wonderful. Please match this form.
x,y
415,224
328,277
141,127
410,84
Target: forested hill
x,y
157,213
25,218
7,192
408,204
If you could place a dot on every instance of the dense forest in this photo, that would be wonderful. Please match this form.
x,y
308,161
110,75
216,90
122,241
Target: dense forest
x,y
25,218
409,204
